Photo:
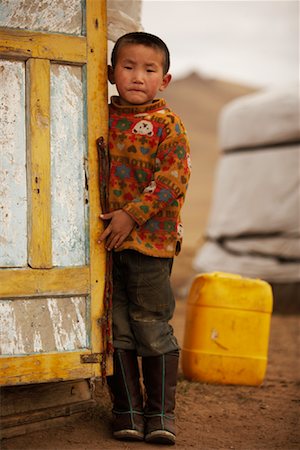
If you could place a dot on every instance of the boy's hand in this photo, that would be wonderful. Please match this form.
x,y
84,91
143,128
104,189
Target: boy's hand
x,y
118,229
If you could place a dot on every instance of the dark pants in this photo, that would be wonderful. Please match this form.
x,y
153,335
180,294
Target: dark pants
x,y
143,304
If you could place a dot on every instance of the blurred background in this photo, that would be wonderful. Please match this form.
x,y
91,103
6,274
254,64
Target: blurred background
x,y
250,42
235,85
220,50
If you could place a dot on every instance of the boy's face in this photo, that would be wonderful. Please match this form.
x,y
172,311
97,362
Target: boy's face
x,y
138,74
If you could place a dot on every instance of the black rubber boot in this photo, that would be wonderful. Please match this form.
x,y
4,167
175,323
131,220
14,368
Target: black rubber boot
x,y
125,388
160,380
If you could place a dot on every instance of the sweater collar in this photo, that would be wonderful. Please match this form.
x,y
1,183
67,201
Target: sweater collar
x,y
157,104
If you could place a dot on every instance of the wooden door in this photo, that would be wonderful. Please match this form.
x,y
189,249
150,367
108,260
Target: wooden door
x,y
53,106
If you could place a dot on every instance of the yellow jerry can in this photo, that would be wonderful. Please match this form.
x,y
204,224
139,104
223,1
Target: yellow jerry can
x,y
227,329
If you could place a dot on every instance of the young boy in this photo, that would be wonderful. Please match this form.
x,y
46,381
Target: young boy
x,y
149,173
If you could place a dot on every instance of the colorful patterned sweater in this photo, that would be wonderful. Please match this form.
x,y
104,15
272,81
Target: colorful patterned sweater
x,y
149,173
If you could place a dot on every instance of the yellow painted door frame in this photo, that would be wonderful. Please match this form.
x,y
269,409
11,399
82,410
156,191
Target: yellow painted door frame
x,y
40,278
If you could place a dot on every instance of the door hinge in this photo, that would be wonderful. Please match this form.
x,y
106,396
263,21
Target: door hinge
x,y
91,358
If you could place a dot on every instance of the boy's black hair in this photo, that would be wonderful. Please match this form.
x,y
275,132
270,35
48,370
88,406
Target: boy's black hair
x,y
147,39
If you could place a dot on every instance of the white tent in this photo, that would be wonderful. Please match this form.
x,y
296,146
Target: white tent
x,y
254,224
123,17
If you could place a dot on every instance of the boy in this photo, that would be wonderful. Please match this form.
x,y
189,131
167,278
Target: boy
x,y
149,172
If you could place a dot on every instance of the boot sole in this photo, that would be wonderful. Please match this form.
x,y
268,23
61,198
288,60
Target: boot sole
x,y
128,435
160,437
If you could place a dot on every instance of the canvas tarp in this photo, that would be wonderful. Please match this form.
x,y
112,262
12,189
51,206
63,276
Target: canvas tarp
x,y
123,17
254,224
270,117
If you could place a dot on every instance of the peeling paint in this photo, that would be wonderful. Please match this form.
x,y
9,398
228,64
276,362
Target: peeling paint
x,y
79,325
42,325
13,194
10,339
37,342
67,166
60,16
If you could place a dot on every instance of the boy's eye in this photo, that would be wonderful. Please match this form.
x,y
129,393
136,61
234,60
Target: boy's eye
x,y
128,67
150,70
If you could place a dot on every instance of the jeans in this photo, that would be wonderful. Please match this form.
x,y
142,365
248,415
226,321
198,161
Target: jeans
x,y
143,304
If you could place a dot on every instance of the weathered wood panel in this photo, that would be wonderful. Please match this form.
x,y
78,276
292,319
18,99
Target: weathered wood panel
x,y
34,282
13,196
68,150
38,163
28,408
42,325
21,44
42,367
51,317
61,16
42,396
97,114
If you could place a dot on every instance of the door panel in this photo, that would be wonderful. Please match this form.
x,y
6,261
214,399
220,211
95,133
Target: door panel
x,y
13,210
38,163
68,154
57,16
53,324
53,108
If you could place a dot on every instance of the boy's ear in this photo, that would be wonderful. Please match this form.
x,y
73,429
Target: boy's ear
x,y
166,81
110,74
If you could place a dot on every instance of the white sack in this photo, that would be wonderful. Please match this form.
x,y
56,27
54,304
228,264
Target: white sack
x,y
257,192
285,247
211,258
260,119
254,225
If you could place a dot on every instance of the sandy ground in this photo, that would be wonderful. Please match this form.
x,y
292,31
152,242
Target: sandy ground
x,y
209,417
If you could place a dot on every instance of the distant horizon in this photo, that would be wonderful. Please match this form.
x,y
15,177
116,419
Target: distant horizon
x,y
206,76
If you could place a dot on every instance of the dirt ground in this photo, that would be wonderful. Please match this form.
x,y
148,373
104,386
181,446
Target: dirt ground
x,y
209,417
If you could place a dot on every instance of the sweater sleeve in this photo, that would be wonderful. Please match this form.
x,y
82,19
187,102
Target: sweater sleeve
x,y
170,178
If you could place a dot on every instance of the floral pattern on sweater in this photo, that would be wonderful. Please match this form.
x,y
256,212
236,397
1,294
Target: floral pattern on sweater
x,y
149,174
